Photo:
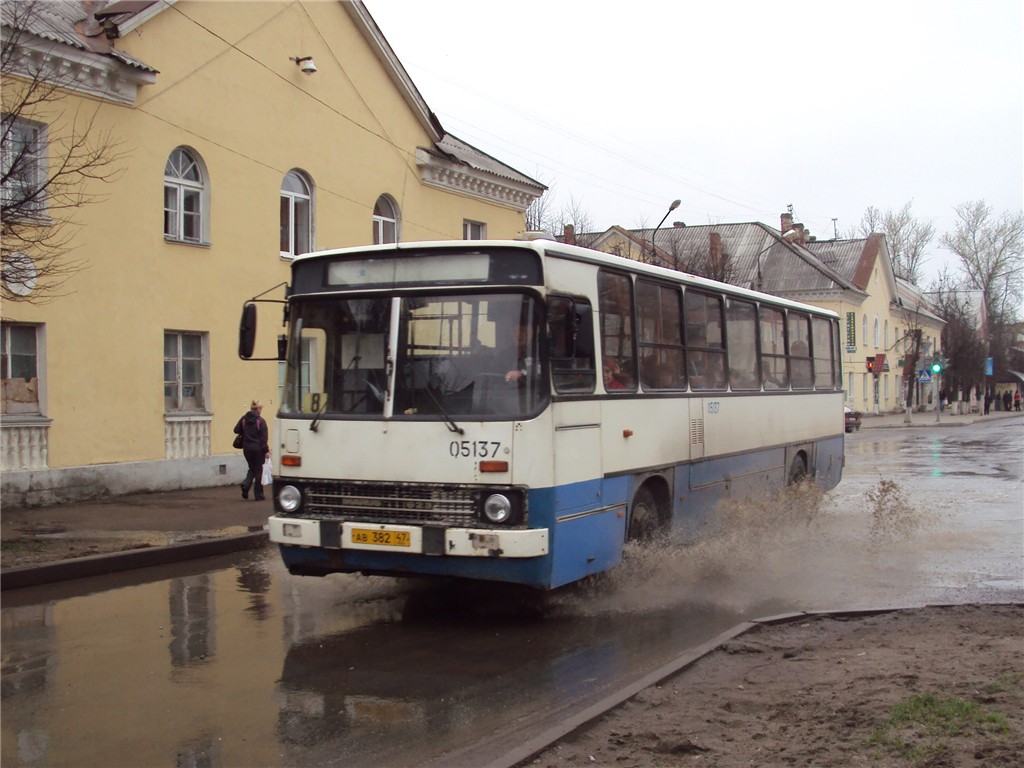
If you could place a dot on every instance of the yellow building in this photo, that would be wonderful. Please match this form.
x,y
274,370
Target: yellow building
x,y
241,134
880,314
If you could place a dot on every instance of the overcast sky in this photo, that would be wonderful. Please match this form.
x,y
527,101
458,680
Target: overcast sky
x,y
738,108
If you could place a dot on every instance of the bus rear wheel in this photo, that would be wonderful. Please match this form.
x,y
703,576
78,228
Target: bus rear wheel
x,y
647,518
797,470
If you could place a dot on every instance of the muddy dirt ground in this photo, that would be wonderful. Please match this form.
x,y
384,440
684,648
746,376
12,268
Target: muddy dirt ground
x,y
936,686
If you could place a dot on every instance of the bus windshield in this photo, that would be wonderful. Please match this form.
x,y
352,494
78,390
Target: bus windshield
x,y
455,356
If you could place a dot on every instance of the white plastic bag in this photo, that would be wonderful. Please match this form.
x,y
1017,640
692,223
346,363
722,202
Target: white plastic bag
x,y
268,472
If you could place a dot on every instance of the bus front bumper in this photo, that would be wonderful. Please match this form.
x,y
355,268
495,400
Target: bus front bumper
x,y
409,539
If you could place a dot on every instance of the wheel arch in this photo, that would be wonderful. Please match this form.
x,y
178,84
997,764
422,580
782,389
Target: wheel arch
x,y
658,485
799,463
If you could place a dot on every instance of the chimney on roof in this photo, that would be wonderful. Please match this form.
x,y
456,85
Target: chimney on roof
x,y
715,250
569,234
786,222
804,236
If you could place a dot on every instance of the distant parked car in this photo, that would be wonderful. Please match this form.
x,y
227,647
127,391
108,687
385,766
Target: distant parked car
x,y
853,419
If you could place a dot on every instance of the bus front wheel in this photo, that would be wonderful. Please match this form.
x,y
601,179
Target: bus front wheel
x,y
647,517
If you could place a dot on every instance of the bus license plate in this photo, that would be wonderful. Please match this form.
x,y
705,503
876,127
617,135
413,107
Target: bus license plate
x,y
381,538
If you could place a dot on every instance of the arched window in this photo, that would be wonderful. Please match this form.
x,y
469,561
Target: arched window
x,y
385,221
186,197
296,214
875,335
885,336
864,330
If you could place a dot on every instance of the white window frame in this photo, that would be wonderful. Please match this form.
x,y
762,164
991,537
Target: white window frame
x,y
308,360
385,225
36,408
295,222
182,403
876,332
179,186
29,162
473,230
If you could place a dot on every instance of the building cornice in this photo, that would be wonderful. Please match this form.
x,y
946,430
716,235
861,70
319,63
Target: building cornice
x,y
444,174
75,70
826,295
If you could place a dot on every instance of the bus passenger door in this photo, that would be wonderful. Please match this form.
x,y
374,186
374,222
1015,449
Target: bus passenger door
x,y
577,454
589,511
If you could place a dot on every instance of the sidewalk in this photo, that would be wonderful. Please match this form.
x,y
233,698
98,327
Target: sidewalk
x,y
71,541
927,419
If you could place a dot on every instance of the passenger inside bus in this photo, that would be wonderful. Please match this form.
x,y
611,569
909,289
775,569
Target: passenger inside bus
x,y
524,361
661,375
706,369
612,374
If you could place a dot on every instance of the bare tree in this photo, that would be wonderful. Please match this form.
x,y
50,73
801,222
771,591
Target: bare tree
x,y
908,238
963,344
990,249
50,157
576,214
911,347
870,223
714,261
991,253
643,247
541,216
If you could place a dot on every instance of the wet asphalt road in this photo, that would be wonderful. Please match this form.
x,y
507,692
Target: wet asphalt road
x,y
232,662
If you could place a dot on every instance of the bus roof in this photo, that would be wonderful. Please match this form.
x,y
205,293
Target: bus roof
x,y
553,249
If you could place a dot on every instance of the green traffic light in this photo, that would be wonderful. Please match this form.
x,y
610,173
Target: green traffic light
x,y
936,367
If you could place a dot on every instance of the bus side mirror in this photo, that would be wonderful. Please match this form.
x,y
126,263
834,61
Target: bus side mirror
x,y
247,332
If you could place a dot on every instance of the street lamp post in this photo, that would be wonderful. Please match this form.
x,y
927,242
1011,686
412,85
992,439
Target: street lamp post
x,y
788,236
675,204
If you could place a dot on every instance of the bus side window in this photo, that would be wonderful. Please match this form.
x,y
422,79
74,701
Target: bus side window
x,y
704,340
571,334
799,333
616,309
659,336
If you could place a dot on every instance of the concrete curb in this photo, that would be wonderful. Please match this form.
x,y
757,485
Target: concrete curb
x,y
924,420
100,565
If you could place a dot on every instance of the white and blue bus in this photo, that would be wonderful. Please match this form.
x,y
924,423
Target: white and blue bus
x,y
518,411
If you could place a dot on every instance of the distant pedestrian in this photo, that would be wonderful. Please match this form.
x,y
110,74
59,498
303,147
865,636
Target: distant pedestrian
x,y
1016,400
1007,400
255,447
988,402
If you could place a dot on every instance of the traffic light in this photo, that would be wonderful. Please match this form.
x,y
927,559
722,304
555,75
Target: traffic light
x,y
938,365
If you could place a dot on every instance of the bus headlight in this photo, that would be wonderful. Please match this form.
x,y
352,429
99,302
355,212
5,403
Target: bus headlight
x,y
497,508
289,498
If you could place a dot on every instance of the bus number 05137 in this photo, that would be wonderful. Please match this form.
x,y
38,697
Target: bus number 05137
x,y
476,449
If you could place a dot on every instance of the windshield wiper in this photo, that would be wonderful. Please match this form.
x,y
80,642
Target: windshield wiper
x,y
452,426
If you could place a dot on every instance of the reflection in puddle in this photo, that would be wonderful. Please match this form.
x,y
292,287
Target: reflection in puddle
x,y
234,662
